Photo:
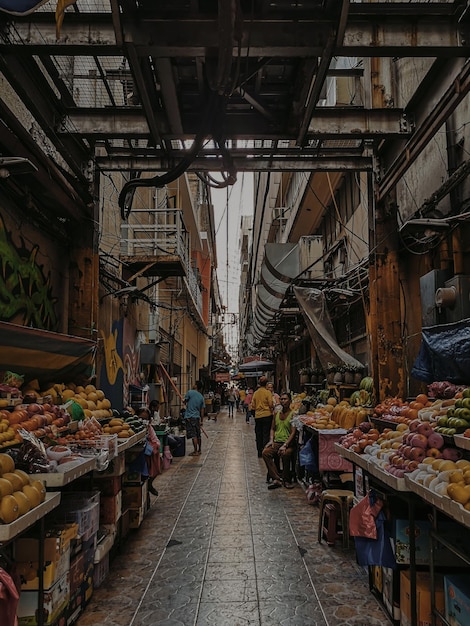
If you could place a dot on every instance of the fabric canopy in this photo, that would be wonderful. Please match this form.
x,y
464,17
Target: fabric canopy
x,y
41,354
444,354
315,313
280,266
256,365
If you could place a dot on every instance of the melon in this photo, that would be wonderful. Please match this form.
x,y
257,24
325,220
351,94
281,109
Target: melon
x,y
7,464
33,495
23,475
8,509
6,488
24,503
15,480
39,485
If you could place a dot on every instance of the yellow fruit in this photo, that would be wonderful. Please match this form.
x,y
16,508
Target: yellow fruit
x,y
100,394
458,493
39,485
67,394
15,480
123,434
79,389
106,403
456,477
24,503
8,509
115,422
7,464
32,494
23,475
446,465
90,388
332,401
6,488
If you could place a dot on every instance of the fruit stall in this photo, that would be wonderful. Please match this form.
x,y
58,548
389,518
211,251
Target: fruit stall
x,y
414,455
69,493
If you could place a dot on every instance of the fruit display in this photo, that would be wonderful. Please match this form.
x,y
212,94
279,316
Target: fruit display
x,y
446,478
19,492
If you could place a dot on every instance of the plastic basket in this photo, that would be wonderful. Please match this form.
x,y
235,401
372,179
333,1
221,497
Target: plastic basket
x,y
83,508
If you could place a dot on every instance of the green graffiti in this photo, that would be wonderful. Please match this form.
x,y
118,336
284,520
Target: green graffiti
x,y
25,293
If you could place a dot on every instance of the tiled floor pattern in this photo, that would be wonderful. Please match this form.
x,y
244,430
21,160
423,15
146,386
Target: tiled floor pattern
x,y
218,548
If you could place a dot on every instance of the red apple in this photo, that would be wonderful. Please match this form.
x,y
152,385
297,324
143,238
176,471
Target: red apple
x,y
412,465
417,453
425,429
436,440
419,441
407,451
451,454
413,425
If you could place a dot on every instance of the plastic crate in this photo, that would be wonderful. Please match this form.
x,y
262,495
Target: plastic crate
x,y
101,571
83,508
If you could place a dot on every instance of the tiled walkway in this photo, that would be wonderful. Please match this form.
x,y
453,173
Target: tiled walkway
x,y
219,548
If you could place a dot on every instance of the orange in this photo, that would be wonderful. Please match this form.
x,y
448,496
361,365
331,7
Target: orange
x,y
32,494
24,503
8,509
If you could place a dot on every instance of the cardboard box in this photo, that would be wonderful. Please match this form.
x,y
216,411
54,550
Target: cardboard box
x,y
457,599
110,508
134,496
423,598
101,571
376,574
391,591
442,556
28,571
136,517
55,603
131,478
77,572
108,486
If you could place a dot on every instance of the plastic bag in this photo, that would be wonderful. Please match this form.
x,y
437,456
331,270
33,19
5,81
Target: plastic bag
x,y
376,551
363,515
307,457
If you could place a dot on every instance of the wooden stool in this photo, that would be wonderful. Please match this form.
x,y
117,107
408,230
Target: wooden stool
x,y
343,499
329,530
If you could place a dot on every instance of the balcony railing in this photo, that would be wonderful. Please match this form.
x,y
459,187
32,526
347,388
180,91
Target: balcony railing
x,y
157,242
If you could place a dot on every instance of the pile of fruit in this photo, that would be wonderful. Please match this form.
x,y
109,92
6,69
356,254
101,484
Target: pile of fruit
x,y
446,478
19,492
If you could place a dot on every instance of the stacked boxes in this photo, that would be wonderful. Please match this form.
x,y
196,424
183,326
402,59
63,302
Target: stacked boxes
x,y
423,598
457,599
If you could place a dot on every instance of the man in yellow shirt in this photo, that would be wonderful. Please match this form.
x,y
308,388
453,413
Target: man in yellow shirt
x,y
262,407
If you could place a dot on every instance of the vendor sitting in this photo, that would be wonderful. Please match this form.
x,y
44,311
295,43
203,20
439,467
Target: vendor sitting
x,y
281,445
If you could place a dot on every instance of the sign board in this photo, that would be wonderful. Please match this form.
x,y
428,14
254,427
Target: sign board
x,y
222,377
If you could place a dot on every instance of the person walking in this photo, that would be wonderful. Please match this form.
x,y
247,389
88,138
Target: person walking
x,y
231,399
151,452
194,405
281,445
263,406
247,405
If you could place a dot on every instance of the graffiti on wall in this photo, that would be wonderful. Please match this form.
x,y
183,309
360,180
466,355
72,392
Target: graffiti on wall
x,y
25,290
121,363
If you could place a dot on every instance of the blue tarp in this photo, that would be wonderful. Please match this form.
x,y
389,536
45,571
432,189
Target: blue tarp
x,y
444,354
21,7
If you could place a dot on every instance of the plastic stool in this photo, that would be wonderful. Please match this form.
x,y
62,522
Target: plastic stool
x,y
331,515
343,498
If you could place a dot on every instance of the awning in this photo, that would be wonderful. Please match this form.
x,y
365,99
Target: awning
x,y
256,365
280,266
315,313
41,354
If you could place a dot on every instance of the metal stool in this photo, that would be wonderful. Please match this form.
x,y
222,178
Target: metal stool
x,y
343,498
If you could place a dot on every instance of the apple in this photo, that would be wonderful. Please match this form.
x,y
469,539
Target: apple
x,y
435,453
412,465
451,454
417,453
425,429
413,425
436,440
420,441
406,451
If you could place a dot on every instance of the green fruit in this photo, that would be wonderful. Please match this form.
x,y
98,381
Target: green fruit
x,y
466,393
466,403
442,420
450,412
458,403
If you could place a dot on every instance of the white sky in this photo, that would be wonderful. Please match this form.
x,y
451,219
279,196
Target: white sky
x,y
239,199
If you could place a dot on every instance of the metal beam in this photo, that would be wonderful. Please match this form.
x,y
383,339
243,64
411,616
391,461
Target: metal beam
x,y
331,122
86,34
436,113
242,164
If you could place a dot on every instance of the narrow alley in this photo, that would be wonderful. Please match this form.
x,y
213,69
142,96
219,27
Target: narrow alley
x,y
218,547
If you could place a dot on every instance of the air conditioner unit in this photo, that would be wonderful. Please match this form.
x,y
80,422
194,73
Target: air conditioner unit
x,y
311,257
279,213
454,298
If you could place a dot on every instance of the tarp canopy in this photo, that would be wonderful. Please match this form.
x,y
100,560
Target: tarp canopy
x,y
312,303
444,354
256,365
47,356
